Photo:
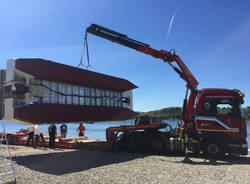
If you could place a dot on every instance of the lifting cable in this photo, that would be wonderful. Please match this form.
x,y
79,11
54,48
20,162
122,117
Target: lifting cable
x,y
85,46
75,95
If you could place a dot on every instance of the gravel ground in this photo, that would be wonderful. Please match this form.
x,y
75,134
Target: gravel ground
x,y
43,165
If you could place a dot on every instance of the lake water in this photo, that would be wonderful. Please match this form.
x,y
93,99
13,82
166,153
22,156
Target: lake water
x,y
93,131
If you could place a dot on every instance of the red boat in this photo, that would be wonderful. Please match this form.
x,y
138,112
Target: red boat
x,y
39,91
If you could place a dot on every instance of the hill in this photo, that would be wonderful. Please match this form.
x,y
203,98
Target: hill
x,y
174,113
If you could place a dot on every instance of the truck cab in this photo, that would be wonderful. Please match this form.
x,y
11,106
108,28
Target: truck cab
x,y
220,123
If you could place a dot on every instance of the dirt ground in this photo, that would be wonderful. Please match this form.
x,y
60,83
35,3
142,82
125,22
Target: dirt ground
x,y
43,165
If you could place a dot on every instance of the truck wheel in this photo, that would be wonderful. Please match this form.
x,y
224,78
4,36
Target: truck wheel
x,y
134,143
157,145
213,149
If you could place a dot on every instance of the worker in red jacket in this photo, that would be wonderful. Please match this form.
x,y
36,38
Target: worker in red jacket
x,y
81,130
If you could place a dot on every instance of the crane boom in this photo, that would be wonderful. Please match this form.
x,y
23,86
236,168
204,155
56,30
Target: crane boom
x,y
166,56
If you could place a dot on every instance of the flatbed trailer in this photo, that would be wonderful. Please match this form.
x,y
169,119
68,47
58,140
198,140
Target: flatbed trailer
x,y
19,138
161,138
150,137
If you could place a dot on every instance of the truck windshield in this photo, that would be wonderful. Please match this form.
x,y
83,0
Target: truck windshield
x,y
236,110
232,108
241,111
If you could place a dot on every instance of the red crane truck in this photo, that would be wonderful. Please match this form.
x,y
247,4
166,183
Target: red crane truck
x,y
203,128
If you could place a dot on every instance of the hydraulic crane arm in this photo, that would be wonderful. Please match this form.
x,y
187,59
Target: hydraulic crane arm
x,y
166,56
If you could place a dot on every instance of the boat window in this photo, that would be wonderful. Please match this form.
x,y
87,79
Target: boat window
x,y
46,98
119,101
61,93
115,99
54,94
98,98
75,95
62,97
69,94
93,95
81,94
37,81
87,96
36,100
103,99
109,97
112,98
18,77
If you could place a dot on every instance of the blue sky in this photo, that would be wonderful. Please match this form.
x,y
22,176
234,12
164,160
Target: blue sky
x,y
211,37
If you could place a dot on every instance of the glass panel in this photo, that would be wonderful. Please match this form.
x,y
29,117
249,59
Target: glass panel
x,y
36,100
241,111
107,98
46,98
232,109
54,95
103,98
81,93
119,101
93,99
18,77
61,90
75,98
116,99
87,96
112,99
223,109
37,81
98,99
69,94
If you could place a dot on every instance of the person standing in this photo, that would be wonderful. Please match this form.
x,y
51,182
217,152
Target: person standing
x,y
52,135
81,130
41,135
31,134
63,130
37,133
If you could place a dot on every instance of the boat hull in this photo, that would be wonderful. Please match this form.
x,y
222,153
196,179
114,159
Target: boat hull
x,y
56,113
39,91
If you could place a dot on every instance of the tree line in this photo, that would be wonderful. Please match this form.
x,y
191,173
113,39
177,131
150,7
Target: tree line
x,y
174,113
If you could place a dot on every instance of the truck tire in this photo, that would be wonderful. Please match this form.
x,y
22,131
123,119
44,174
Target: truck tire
x,y
135,143
213,149
157,145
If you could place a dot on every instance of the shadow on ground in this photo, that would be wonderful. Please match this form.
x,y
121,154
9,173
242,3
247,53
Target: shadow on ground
x,y
227,160
74,161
